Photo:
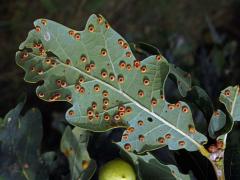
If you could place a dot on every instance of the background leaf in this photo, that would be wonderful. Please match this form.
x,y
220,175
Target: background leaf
x,y
231,99
74,146
20,139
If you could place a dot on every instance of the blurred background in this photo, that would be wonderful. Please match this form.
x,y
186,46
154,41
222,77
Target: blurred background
x,y
201,37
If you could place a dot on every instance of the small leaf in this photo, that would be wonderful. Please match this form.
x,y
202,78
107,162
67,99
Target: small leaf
x,y
74,147
220,124
230,97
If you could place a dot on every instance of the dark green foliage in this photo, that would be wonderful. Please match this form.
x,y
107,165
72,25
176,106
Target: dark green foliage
x,y
20,139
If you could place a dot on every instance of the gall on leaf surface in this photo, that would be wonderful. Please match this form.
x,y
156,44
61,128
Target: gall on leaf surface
x,y
96,71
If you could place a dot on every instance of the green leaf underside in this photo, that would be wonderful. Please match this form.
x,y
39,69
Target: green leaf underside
x,y
20,139
74,146
148,167
230,97
63,63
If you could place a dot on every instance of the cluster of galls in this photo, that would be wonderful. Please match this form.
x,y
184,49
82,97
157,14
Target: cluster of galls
x,y
171,107
122,111
41,51
56,96
216,151
89,67
93,114
160,140
141,137
39,45
25,55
